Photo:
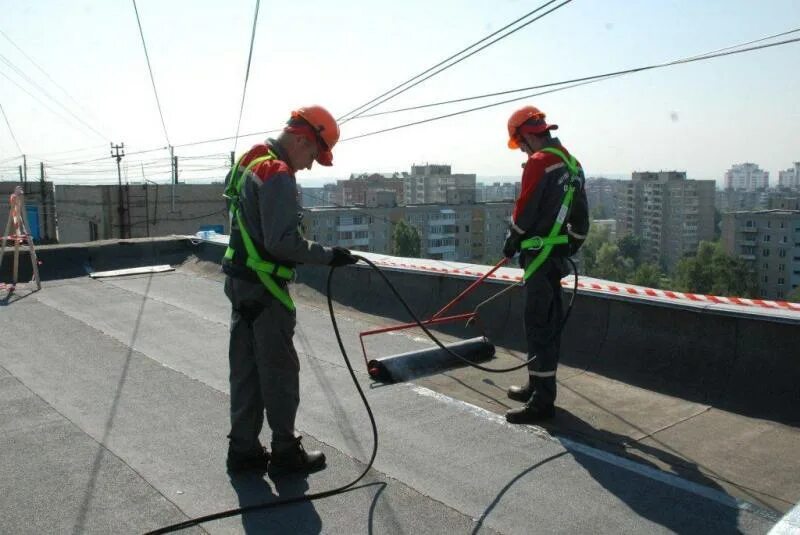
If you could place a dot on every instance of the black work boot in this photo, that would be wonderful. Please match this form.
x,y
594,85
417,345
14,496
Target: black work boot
x,y
521,393
256,461
530,414
290,457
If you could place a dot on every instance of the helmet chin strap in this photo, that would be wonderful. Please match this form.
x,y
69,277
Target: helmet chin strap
x,y
524,142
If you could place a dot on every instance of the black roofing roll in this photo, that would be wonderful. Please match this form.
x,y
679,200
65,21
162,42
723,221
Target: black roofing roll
x,y
407,366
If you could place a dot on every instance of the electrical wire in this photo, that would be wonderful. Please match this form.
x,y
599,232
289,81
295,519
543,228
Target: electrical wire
x,y
28,79
344,118
587,80
307,497
149,68
48,108
11,131
246,74
35,64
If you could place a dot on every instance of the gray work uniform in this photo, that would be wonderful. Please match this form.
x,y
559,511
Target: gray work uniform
x,y
264,368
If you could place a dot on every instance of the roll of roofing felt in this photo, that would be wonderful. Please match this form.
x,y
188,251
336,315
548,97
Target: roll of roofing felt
x,y
407,366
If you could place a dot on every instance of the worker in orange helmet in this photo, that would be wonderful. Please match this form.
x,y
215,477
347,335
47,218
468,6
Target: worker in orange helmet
x,y
265,245
550,222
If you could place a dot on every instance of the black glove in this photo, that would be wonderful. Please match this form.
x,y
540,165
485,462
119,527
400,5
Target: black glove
x,y
512,243
342,257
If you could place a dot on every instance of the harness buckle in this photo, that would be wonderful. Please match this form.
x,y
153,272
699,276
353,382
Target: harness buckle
x,y
535,243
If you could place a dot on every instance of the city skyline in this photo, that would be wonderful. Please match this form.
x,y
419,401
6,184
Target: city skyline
x,y
698,117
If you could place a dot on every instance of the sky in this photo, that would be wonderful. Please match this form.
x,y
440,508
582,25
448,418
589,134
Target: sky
x,y
700,117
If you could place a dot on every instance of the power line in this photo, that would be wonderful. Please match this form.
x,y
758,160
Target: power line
x,y
582,81
344,118
11,160
246,74
541,86
149,68
44,72
9,129
48,108
28,79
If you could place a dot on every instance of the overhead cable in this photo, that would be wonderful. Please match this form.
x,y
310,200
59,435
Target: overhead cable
x,y
344,118
246,74
500,93
51,110
10,129
28,79
35,64
149,68
582,81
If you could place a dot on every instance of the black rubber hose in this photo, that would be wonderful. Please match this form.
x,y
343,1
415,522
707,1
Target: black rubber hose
x,y
306,497
344,488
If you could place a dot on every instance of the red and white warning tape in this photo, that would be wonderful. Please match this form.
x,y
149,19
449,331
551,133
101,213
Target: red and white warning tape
x,y
610,287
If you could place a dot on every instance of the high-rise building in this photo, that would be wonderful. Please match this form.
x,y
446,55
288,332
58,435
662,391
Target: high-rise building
x,y
497,191
354,191
327,195
769,241
430,183
746,176
600,192
668,213
458,232
737,200
790,178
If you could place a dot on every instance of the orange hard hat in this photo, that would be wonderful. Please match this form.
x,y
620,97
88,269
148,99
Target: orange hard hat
x,y
325,129
526,120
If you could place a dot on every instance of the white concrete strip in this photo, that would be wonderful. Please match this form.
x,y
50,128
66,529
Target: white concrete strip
x,y
789,524
131,271
616,460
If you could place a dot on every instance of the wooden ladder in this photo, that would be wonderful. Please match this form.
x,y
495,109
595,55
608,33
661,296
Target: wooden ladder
x,y
18,232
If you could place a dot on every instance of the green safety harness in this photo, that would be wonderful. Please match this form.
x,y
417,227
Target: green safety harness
x,y
264,269
545,244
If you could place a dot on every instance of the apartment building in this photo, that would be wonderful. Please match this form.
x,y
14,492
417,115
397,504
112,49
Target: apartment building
x,y
354,191
601,194
746,176
459,232
497,191
327,195
667,212
430,183
769,241
738,200
790,178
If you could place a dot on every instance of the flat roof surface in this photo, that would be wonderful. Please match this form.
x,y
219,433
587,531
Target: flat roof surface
x,y
115,411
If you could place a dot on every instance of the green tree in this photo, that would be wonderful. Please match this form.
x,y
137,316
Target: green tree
x,y
598,235
630,247
600,212
648,275
405,240
712,271
611,265
794,295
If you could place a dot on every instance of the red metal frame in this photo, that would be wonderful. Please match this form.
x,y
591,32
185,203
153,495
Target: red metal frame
x,y
437,318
